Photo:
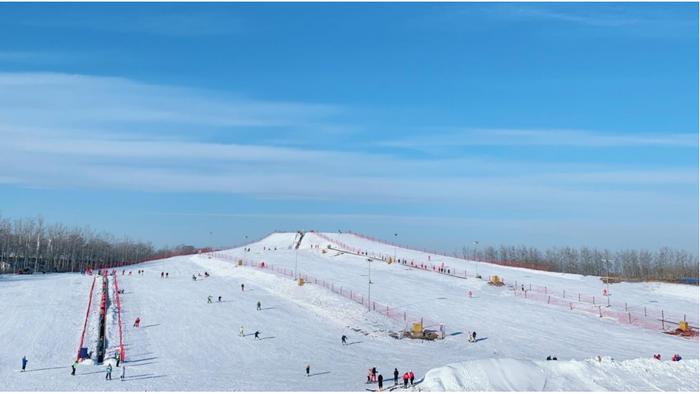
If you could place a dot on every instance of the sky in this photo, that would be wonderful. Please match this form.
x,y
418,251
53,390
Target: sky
x,y
434,125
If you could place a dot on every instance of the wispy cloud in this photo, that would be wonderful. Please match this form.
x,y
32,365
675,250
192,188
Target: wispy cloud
x,y
82,131
158,19
519,137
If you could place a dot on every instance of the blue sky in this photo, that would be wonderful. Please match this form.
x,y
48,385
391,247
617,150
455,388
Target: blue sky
x,y
539,124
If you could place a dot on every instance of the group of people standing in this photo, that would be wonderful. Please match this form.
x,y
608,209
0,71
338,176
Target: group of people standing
x,y
374,377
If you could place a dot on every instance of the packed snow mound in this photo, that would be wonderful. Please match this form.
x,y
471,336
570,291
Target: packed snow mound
x,y
586,375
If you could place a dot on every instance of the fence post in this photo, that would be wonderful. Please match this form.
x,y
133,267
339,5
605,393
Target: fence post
x,y
571,306
593,300
563,292
625,304
629,314
645,311
545,290
662,320
548,297
374,306
404,316
387,310
579,297
530,286
600,311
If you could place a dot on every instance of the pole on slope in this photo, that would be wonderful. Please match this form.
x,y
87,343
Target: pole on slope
x,y
396,235
476,258
369,283
296,262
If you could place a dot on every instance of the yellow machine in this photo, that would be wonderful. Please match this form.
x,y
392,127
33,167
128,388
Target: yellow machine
x,y
495,280
301,282
417,328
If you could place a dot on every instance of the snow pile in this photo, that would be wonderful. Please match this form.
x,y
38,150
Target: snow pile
x,y
586,375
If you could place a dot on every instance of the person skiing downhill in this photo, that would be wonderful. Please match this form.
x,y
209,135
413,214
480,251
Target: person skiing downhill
x,y
209,300
259,306
24,363
137,322
242,287
396,377
194,278
108,376
308,370
257,334
116,356
219,298
241,331
343,340
162,275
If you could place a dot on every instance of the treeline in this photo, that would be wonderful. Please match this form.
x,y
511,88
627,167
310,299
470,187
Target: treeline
x,y
665,264
29,245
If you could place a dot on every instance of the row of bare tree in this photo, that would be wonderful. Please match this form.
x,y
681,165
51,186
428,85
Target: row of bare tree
x,y
30,245
663,264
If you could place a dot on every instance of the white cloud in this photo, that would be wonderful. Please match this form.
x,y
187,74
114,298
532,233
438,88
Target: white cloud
x,y
79,131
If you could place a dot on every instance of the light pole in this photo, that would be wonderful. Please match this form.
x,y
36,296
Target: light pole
x,y
369,284
396,235
476,259
607,278
245,249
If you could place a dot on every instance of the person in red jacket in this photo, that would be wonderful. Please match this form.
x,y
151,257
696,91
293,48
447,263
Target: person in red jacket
x,y
410,377
405,379
137,322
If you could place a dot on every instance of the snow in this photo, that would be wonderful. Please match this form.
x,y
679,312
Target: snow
x,y
186,344
572,375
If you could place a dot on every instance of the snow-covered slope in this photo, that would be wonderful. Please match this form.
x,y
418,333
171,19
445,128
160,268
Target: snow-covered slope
x,y
583,375
184,343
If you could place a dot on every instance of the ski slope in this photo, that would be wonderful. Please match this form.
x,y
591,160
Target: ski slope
x,y
184,343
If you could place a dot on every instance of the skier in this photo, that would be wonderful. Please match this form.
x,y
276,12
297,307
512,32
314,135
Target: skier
x,y
219,298
116,356
259,306
166,275
72,367
396,377
657,356
676,357
162,275
308,370
405,380
257,334
474,336
411,376
380,382
108,376
469,294
343,340
123,375
369,376
206,274
374,374
194,278
209,300
549,358
137,322
242,287
241,332
24,363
